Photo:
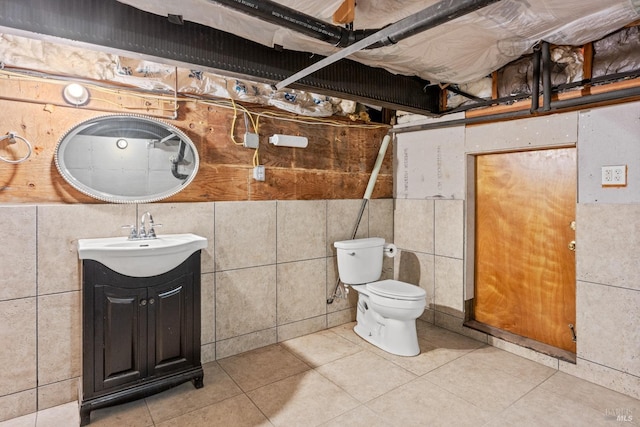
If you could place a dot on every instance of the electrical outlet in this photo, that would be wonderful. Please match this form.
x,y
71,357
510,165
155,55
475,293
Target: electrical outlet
x,y
614,176
258,173
251,140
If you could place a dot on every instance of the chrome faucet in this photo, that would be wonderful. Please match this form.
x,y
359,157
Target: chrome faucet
x,y
143,232
146,230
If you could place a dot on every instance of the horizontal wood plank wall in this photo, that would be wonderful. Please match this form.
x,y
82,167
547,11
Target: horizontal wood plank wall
x,y
336,164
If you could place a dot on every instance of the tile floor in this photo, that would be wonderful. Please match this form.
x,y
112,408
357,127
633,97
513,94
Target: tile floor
x,y
334,378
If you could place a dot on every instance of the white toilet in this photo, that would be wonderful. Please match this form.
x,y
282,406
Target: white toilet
x,y
387,309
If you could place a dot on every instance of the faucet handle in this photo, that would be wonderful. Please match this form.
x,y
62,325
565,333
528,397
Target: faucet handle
x,y
152,232
133,233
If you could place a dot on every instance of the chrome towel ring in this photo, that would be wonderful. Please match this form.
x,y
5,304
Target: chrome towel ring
x,y
12,136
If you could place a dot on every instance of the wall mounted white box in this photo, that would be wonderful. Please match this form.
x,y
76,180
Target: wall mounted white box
x,y
288,141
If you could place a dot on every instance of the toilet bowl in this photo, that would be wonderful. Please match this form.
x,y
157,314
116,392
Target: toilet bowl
x,y
387,309
388,320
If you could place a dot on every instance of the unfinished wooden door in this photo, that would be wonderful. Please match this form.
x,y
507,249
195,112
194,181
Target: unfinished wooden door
x,y
524,268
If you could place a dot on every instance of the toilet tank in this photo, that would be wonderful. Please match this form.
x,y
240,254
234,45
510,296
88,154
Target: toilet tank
x,y
360,260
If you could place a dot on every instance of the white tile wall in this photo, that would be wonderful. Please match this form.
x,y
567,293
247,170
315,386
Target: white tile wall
x,y
608,235
266,274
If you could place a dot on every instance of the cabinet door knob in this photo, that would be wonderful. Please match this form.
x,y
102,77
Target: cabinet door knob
x,y
152,301
143,302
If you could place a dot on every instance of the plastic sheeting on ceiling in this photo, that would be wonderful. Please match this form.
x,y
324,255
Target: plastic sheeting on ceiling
x,y
459,51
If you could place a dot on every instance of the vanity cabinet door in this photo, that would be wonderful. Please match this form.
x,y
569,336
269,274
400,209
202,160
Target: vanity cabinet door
x,y
120,344
171,326
141,335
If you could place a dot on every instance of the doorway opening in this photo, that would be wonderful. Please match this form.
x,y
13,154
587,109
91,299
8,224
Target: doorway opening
x,y
522,259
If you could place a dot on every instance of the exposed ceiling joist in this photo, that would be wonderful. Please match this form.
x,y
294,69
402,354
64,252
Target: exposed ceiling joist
x,y
121,29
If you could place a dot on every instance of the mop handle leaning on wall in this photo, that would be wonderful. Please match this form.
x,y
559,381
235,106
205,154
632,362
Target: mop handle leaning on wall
x,y
367,196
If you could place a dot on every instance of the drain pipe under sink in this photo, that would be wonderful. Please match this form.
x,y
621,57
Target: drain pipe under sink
x,y
339,290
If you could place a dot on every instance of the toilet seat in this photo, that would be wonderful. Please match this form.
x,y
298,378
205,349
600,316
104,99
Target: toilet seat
x,y
395,289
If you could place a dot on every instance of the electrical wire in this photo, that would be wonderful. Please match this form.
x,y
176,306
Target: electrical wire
x,y
256,158
222,103
253,116
233,124
165,99
173,100
247,116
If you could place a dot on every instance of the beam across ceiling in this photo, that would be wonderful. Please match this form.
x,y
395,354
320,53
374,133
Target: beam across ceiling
x,y
115,27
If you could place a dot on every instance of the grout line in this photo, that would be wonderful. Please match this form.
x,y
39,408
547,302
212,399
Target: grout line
x,y
276,264
215,287
37,233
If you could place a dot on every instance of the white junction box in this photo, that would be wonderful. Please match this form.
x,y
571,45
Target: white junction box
x,y
614,176
258,173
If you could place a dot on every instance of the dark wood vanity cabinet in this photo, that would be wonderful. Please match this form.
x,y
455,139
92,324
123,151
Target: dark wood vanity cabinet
x,y
141,335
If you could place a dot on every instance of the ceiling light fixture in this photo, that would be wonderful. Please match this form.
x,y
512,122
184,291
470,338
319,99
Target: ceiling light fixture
x,y
75,94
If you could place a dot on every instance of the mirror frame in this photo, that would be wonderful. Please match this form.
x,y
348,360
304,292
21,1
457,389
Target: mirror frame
x,y
114,197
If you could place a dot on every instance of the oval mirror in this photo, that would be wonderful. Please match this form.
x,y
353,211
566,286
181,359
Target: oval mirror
x,y
126,158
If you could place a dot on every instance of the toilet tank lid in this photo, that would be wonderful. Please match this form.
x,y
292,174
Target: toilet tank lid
x,y
370,242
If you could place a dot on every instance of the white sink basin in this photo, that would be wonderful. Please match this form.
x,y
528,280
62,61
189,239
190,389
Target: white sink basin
x,y
141,258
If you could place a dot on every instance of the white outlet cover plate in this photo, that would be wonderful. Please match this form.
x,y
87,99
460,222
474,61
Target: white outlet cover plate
x,y
614,176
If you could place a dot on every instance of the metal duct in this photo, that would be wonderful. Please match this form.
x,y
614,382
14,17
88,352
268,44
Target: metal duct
x,y
275,13
535,85
302,23
546,77
622,95
122,29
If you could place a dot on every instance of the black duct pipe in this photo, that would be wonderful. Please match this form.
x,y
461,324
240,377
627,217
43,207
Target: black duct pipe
x,y
614,95
470,96
535,83
546,77
283,16
557,106
434,15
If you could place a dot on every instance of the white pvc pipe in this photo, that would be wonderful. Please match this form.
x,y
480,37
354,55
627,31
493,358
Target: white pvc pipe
x,y
376,167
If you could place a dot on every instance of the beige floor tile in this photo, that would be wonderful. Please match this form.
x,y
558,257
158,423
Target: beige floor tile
x,y
62,415
321,347
487,388
442,338
236,411
359,417
541,408
346,332
568,387
465,383
365,375
421,403
262,366
23,421
186,398
307,399
132,414
512,364
430,357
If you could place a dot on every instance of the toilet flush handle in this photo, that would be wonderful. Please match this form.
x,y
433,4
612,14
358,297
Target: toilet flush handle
x,y
351,253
